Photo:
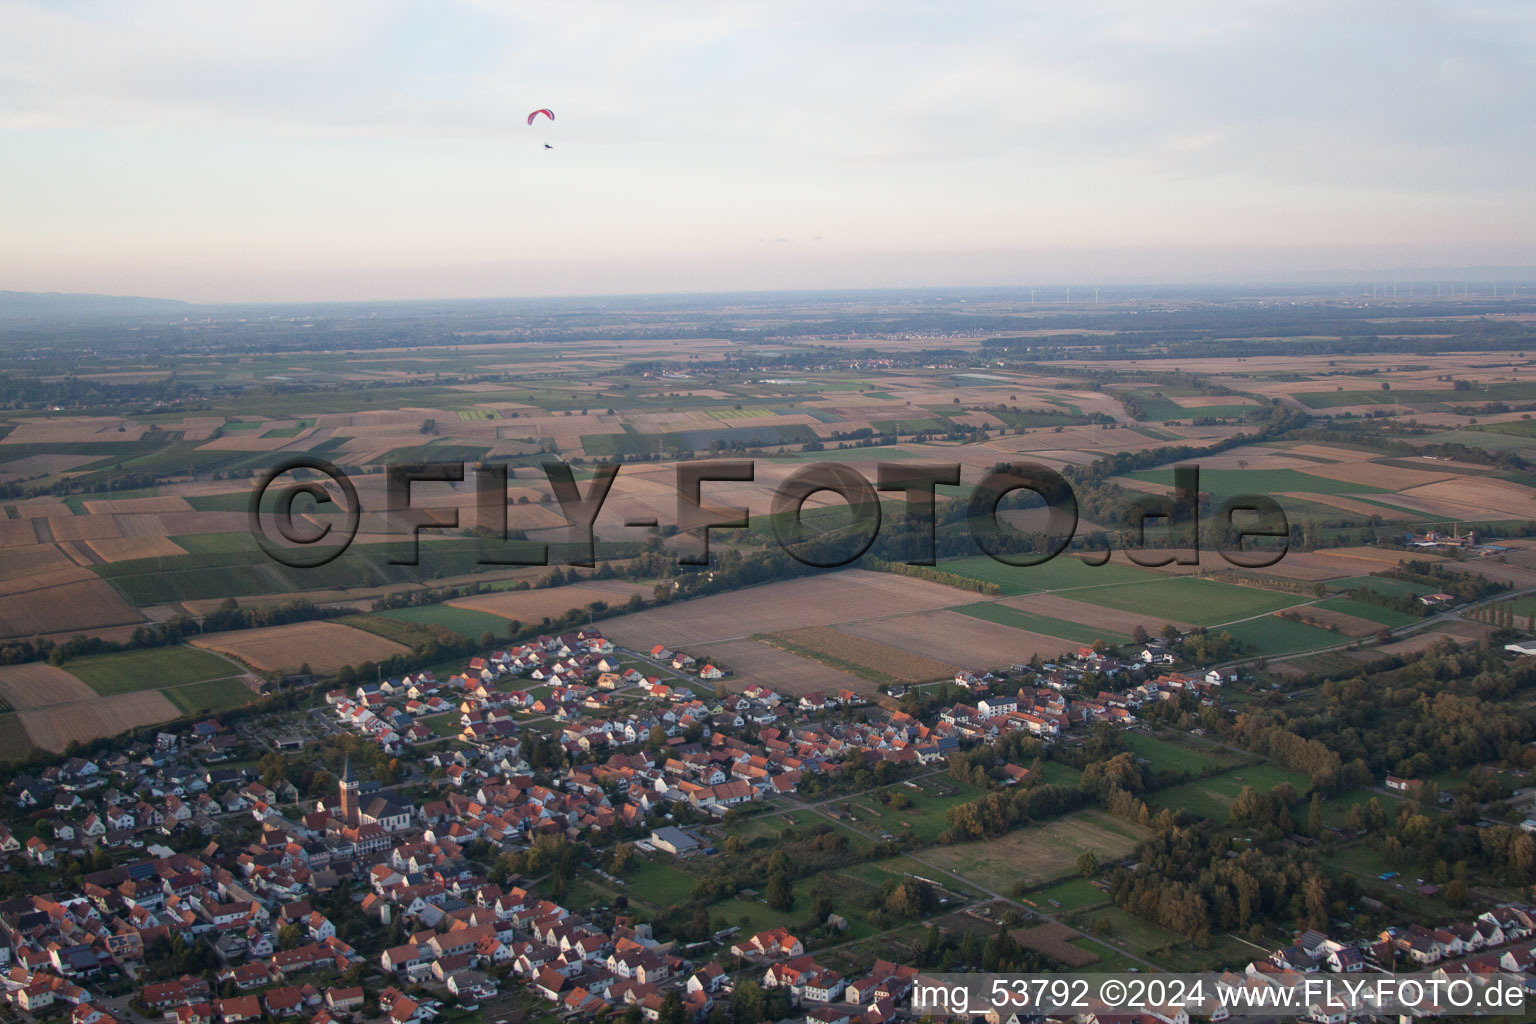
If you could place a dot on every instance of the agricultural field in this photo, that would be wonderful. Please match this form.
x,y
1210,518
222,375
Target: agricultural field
x,y
466,622
752,662
1040,853
534,606
826,600
1272,635
1174,755
15,743
1067,896
324,646
56,727
209,697
858,656
1212,797
1188,599
964,641
1062,573
1074,632
37,685
151,669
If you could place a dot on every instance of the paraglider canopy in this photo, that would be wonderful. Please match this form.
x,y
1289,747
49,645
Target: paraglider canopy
x,y
547,113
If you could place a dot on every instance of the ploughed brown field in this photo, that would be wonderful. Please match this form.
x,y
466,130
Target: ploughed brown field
x,y
876,660
83,606
54,728
324,646
1054,940
1349,625
37,685
753,662
958,639
847,596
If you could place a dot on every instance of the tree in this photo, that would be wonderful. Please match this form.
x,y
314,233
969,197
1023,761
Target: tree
x,y
779,895
1139,634
274,769
748,1002
1087,864
1315,816
289,936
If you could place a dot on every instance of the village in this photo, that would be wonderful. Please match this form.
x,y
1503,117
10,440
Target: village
x,y
181,861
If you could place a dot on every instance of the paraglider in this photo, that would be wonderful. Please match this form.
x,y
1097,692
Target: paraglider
x,y
547,113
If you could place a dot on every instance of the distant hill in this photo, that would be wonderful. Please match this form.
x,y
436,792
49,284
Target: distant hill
x,y
67,305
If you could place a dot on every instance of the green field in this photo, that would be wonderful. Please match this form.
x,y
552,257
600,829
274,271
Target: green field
x,y
1072,894
1058,774
1164,755
1211,798
1058,574
449,723
465,621
1506,392
152,669
15,744
209,697
1124,930
925,819
1382,585
1039,853
1189,599
1272,636
1006,616
659,882
1390,617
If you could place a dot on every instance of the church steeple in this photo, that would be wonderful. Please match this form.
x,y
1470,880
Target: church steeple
x,y
347,807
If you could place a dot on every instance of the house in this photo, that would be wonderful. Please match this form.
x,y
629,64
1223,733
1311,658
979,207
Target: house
x,y
1403,785
673,840
774,943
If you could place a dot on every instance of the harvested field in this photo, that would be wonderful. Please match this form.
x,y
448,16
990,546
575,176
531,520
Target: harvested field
x,y
1516,576
44,465
1480,497
1462,632
873,660
846,596
31,559
751,662
1054,940
83,528
124,549
1091,615
80,607
1344,504
1380,556
17,533
958,639
533,605
1348,625
165,503
1374,474
325,646
36,685
55,728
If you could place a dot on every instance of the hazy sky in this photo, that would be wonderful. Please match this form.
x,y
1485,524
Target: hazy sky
x,y
315,150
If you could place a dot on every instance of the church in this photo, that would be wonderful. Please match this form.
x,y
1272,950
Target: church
x,y
356,805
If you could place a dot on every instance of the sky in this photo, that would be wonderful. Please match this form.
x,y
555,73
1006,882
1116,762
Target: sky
x,y
348,151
